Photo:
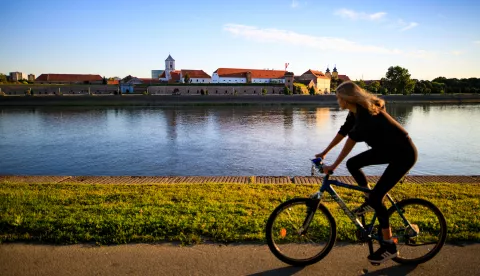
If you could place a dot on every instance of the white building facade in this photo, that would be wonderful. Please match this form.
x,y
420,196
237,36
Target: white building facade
x,y
237,75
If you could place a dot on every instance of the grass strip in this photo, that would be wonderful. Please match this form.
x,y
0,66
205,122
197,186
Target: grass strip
x,y
193,213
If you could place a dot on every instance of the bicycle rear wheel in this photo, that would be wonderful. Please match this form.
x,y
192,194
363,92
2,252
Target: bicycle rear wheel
x,y
290,242
424,237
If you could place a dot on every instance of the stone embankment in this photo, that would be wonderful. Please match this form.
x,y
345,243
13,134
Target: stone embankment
x,y
473,179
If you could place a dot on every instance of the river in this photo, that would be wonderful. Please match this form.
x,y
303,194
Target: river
x,y
261,140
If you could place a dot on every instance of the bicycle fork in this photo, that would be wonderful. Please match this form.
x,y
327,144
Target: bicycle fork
x,y
311,209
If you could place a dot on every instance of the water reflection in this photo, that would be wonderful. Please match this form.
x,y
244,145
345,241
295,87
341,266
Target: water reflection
x,y
288,119
171,119
227,140
401,113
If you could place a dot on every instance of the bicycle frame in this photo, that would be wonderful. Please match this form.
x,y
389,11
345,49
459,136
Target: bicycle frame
x,y
327,187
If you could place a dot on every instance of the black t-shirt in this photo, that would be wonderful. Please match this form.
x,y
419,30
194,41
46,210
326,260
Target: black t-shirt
x,y
378,131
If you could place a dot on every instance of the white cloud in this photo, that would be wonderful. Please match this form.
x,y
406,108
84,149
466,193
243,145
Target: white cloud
x,y
477,42
379,16
351,14
402,25
317,42
294,4
457,53
409,26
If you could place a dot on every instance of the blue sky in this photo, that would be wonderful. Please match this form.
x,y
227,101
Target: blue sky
x,y
363,38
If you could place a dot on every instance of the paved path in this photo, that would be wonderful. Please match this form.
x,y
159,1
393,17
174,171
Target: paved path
x,y
417,179
167,259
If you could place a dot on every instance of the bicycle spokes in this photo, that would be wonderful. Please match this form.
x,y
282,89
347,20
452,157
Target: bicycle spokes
x,y
420,231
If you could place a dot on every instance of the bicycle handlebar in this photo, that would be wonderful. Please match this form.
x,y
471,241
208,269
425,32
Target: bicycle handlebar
x,y
319,164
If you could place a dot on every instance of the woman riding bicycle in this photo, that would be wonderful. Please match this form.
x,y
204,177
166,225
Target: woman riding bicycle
x,y
390,144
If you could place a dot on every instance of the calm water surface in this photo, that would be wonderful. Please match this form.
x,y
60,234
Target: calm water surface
x,y
229,140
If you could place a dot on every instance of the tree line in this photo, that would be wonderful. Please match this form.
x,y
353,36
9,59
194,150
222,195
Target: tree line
x,y
398,80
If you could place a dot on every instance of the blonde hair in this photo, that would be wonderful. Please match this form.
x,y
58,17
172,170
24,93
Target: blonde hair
x,y
354,94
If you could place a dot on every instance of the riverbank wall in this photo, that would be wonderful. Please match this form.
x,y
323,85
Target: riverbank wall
x,y
162,100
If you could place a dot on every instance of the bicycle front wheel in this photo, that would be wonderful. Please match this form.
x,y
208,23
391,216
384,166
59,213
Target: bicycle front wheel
x,y
298,235
423,236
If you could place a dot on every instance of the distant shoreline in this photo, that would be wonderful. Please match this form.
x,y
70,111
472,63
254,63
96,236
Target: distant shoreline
x,y
166,100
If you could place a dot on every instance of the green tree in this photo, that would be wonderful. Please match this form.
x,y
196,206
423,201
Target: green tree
x,y
3,78
186,79
438,87
287,90
383,90
374,87
398,79
264,91
334,83
312,90
104,81
419,87
361,83
127,78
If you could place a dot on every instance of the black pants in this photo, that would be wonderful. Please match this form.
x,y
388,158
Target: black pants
x,y
400,159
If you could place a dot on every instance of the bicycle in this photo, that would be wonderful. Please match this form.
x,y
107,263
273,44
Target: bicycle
x,y
302,231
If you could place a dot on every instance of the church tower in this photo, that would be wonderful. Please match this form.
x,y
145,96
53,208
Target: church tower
x,y
327,73
169,66
335,72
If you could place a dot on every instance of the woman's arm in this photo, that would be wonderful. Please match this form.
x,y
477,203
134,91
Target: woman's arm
x,y
347,148
332,144
344,129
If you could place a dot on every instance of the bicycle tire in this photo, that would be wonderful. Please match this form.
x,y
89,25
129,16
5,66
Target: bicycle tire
x,y
442,232
322,215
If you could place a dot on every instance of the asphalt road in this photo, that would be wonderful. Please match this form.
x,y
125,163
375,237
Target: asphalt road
x,y
230,260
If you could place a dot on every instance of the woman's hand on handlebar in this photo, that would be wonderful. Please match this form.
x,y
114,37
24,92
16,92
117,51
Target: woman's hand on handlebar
x,y
328,169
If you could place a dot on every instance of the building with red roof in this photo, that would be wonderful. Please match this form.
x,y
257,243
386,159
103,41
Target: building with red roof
x,y
321,81
149,80
239,75
172,75
68,79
